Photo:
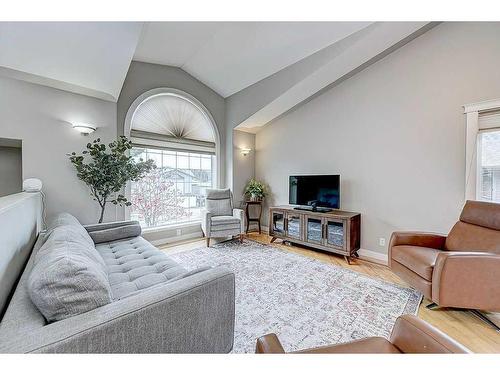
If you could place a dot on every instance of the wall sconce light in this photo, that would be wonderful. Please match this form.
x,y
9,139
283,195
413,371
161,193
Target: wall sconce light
x,y
84,129
245,151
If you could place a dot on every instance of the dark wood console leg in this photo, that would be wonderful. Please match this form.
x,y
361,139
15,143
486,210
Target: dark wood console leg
x,y
273,239
356,254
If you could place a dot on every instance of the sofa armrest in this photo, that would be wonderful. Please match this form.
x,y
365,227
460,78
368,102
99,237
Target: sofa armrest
x,y
116,233
111,225
240,214
467,280
413,335
269,344
191,315
206,218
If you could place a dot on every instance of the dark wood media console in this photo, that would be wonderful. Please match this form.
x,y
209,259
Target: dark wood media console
x,y
335,231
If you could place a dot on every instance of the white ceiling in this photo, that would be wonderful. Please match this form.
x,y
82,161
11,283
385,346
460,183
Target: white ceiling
x,y
90,58
230,56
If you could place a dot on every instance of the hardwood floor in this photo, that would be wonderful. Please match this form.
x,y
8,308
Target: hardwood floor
x,y
462,325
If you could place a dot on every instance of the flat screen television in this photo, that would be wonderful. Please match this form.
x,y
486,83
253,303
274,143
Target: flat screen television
x,y
317,192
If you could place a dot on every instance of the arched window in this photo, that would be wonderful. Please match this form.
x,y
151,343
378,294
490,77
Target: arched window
x,y
179,134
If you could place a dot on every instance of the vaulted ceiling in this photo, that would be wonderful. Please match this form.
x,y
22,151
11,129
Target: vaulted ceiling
x,y
230,56
90,58
263,68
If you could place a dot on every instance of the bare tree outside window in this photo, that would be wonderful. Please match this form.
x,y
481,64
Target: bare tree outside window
x,y
155,200
174,193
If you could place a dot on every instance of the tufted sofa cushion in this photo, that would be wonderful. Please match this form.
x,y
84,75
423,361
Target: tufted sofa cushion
x,y
134,264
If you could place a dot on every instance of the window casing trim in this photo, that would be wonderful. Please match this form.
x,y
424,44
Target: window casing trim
x,y
127,130
182,94
473,128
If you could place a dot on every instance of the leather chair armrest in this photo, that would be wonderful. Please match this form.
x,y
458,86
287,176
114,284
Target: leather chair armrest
x,y
240,214
467,280
413,335
432,240
269,344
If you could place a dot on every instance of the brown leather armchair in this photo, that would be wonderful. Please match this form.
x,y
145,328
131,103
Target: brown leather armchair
x,y
409,335
459,270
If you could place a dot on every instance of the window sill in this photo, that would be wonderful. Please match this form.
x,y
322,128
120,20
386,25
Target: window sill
x,y
191,224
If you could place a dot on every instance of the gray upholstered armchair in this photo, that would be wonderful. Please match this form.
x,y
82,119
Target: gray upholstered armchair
x,y
219,218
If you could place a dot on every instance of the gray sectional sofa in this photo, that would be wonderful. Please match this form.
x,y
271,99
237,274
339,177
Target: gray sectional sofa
x,y
105,289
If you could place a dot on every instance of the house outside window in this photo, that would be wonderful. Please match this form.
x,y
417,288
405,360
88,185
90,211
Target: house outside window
x,y
173,193
178,133
488,183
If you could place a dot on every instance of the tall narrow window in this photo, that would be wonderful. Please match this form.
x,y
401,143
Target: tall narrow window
x,y
488,183
175,132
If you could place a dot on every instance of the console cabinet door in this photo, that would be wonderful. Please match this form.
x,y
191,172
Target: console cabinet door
x,y
277,227
294,225
313,229
335,235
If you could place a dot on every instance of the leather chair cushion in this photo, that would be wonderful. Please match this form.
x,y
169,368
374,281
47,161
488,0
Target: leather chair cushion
x,y
484,214
417,282
469,237
371,345
420,260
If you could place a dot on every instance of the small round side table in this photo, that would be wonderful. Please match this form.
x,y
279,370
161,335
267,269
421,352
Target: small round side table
x,y
247,213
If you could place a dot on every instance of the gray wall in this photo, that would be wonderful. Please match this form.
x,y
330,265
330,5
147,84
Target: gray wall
x,y
245,165
41,116
395,132
142,77
11,170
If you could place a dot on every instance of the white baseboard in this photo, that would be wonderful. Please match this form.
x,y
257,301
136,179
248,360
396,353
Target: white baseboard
x,y
373,256
169,240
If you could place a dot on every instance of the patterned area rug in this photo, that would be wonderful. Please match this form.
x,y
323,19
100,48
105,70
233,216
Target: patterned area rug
x,y
306,302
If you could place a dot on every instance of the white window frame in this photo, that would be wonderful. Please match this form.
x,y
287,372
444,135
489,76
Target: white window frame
x,y
472,112
185,223
184,95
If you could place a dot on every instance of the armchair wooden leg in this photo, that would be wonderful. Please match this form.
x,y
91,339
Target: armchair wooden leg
x,y
208,241
241,238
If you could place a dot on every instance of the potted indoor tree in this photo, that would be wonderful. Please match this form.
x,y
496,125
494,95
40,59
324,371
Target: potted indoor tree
x,y
255,190
106,172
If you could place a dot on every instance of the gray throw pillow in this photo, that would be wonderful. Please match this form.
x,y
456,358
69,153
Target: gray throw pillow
x,y
72,236
65,282
67,220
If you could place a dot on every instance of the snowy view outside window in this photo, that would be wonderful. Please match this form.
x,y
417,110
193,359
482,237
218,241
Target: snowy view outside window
x,y
174,192
489,166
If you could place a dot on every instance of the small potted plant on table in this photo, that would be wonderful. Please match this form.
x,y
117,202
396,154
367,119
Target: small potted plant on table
x,y
255,191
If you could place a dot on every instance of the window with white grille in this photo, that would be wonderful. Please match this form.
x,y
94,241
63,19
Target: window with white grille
x,y
488,179
177,132
174,192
